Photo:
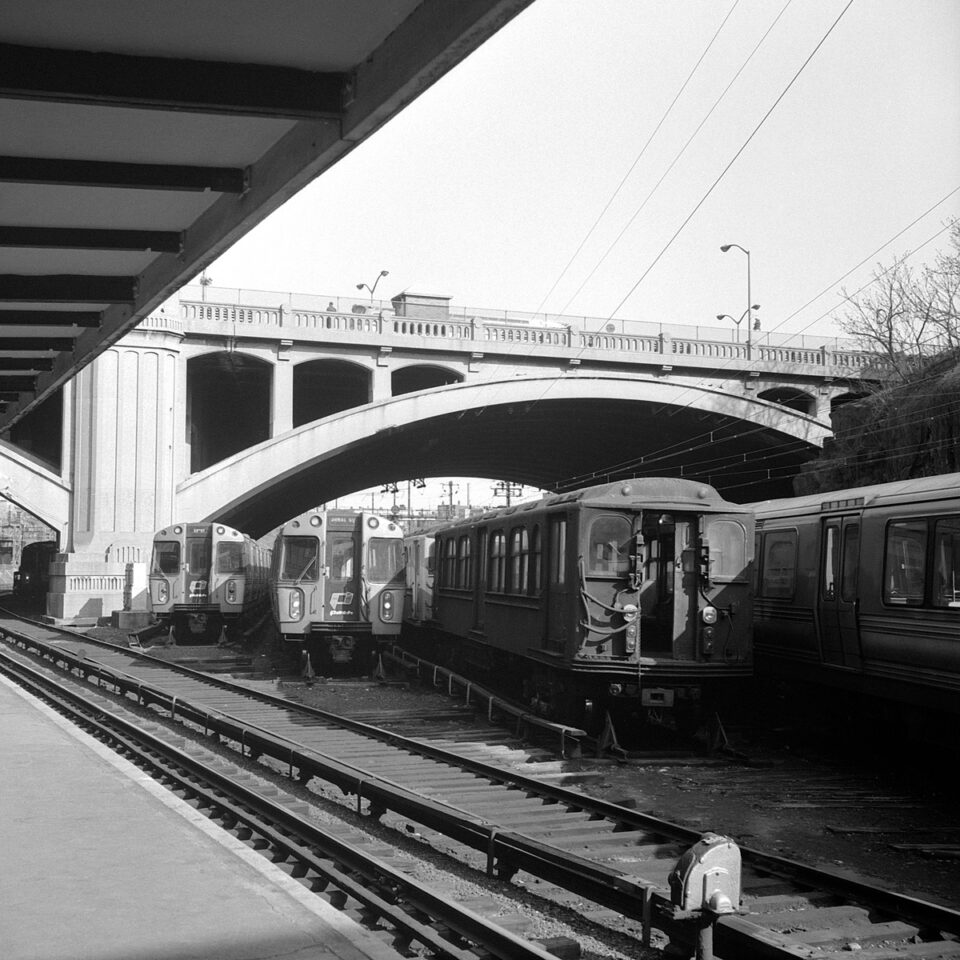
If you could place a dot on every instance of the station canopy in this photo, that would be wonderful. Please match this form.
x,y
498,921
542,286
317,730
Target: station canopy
x,y
142,138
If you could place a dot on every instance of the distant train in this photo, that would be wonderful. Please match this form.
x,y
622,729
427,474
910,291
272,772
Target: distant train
x,y
207,581
859,591
337,584
32,577
630,598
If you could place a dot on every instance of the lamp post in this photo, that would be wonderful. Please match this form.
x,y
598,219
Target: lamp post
x,y
724,249
366,286
726,316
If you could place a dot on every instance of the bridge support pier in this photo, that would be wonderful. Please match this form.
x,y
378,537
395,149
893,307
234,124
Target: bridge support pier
x,y
128,410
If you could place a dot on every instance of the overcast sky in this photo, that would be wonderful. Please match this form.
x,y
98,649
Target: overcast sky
x,y
485,187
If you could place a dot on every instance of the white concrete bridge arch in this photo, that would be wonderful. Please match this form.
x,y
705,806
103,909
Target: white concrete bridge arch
x,y
261,486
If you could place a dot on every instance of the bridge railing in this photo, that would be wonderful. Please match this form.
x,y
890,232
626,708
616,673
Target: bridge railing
x,y
352,320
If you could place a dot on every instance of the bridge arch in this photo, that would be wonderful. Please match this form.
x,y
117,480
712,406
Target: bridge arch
x,y
422,376
228,404
324,386
34,487
539,431
791,397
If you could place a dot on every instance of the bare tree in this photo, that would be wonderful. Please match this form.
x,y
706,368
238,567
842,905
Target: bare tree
x,y
909,318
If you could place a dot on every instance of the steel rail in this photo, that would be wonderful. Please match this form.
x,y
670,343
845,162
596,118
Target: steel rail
x,y
288,834
508,851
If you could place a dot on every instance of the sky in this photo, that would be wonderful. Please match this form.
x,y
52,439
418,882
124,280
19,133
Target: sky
x,y
591,158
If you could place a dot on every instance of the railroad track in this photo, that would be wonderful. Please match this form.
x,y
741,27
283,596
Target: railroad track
x,y
513,826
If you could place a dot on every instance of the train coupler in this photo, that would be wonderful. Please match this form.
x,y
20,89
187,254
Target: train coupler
x,y
704,886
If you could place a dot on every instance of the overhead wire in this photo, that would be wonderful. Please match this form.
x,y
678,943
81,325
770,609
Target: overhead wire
x,y
678,156
640,155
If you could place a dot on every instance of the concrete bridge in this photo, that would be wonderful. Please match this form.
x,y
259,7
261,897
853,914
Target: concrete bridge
x,y
249,407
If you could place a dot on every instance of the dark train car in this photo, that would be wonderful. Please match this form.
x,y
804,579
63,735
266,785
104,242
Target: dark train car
x,y
859,591
32,577
208,581
337,584
631,598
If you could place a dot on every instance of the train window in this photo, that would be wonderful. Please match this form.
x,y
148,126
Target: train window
x,y
497,570
831,561
6,551
519,560
905,562
229,558
448,571
779,576
166,558
464,570
608,545
300,556
850,562
558,550
946,566
341,556
198,557
536,550
727,540
384,559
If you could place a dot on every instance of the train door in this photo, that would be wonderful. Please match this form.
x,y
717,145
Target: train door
x,y
196,580
557,586
839,565
341,601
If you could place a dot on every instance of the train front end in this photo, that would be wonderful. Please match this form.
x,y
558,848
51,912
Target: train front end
x,y
337,586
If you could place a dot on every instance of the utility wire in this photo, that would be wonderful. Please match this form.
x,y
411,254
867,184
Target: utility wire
x,y
639,156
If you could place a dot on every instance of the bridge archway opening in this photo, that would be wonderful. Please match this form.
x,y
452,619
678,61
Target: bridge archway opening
x,y
790,397
228,406
322,388
421,376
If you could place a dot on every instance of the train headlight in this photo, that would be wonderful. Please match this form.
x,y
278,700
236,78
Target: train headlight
x,y
163,592
709,615
373,522
386,605
231,591
295,604
632,633
315,521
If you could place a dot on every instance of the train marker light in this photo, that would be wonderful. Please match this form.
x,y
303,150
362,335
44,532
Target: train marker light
x,y
373,522
315,521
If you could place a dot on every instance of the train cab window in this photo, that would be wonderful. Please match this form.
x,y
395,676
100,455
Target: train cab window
x,y
727,541
946,564
229,558
464,566
519,560
608,545
166,558
779,564
300,555
904,569
496,576
6,551
384,559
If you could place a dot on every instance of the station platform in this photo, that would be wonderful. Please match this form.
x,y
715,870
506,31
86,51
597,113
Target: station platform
x,y
100,862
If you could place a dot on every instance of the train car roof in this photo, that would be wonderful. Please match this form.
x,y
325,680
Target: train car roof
x,y
170,529
336,512
659,493
917,490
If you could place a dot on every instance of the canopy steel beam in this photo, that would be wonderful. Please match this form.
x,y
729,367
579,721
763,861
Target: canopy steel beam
x,y
82,238
134,176
49,318
36,343
167,83
67,288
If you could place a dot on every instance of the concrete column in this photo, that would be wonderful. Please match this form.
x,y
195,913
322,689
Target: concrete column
x,y
125,467
381,387
281,397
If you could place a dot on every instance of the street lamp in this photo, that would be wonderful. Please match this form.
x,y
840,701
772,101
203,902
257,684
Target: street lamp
x,y
362,286
726,316
724,249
